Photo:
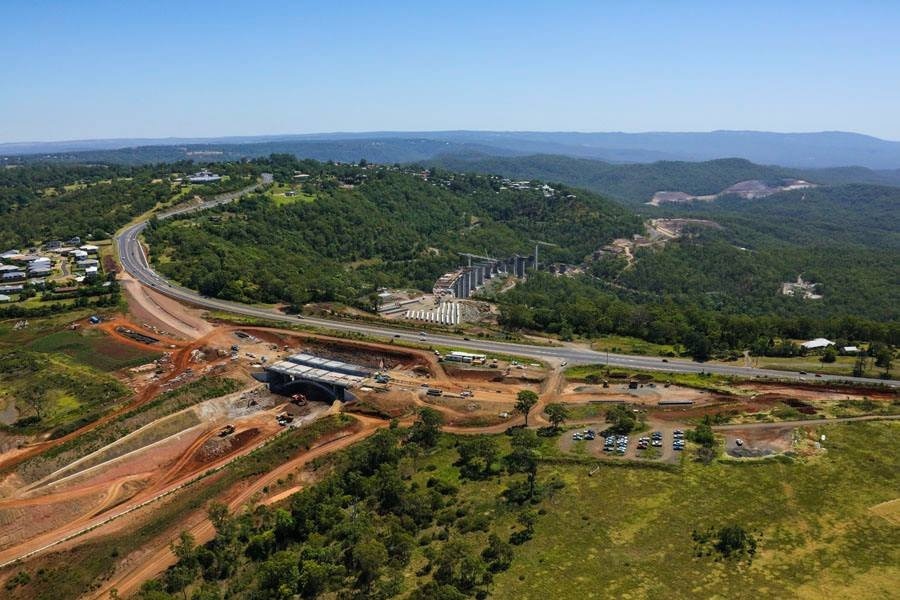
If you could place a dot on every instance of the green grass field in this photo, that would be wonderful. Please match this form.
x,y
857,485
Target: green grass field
x,y
93,348
631,345
626,533
12,337
811,364
54,389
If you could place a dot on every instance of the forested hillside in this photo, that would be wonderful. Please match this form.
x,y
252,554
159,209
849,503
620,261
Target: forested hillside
x,y
636,183
50,201
841,216
718,288
358,229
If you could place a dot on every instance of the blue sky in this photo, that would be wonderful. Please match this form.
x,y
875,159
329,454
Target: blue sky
x,y
74,70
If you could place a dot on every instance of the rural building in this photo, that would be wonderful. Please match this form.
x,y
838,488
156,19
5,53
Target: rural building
x,y
40,271
13,275
78,254
466,357
4,298
5,268
90,249
850,350
11,289
21,259
73,241
53,245
204,176
817,344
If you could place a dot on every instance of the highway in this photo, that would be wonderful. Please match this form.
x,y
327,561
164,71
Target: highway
x,y
134,261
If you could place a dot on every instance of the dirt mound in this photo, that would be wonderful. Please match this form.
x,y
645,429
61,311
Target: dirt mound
x,y
821,389
768,399
216,447
494,375
802,407
394,403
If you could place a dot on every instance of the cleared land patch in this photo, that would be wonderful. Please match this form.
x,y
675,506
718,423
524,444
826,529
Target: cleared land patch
x,y
93,348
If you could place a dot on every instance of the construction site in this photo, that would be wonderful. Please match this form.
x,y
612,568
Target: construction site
x,y
177,432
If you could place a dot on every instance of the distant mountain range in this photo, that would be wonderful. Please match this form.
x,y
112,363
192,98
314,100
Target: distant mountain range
x,y
795,150
639,183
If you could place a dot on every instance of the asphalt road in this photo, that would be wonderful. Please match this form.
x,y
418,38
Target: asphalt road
x,y
135,263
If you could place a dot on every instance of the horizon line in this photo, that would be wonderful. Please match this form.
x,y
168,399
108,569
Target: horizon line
x,y
200,138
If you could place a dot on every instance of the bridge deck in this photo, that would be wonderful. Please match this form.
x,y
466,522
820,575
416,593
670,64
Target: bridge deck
x,y
299,371
327,364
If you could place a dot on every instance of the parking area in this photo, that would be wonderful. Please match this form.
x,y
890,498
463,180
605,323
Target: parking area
x,y
663,442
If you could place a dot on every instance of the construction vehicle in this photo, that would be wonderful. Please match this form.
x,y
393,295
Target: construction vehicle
x,y
299,400
381,378
226,431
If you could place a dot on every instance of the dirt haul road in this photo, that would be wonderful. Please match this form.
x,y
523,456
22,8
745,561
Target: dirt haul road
x,y
128,582
181,358
163,484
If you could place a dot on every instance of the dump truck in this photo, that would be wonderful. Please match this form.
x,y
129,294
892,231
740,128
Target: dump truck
x,y
226,431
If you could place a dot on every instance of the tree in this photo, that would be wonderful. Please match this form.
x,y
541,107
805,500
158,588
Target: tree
x,y
557,414
498,554
698,346
524,459
621,419
36,397
369,556
313,578
185,549
733,540
884,357
829,355
527,519
436,591
861,365
525,401
427,429
456,565
703,435
477,456
280,574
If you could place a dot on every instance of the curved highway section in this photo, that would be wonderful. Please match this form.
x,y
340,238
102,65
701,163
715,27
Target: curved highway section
x,y
134,261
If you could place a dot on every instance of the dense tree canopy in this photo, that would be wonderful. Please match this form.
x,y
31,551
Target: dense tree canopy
x,y
368,228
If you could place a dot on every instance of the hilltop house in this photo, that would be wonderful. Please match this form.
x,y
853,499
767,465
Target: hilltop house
x,y
817,344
